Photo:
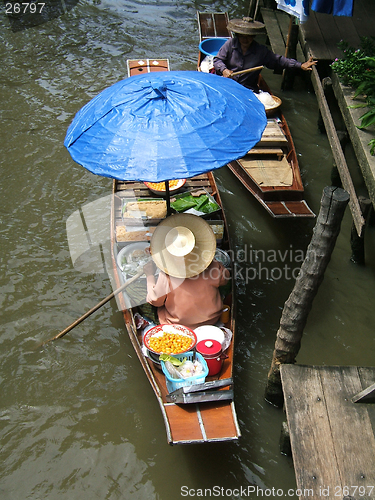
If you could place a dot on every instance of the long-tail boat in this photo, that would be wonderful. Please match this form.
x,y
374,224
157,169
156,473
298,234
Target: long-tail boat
x,y
205,415
270,171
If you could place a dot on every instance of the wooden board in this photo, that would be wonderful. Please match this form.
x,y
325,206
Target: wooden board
x,y
321,33
212,24
332,438
141,66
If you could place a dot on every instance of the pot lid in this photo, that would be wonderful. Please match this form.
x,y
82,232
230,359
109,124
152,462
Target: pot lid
x,y
209,347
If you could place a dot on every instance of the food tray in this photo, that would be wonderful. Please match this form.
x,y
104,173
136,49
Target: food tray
x,y
141,214
176,383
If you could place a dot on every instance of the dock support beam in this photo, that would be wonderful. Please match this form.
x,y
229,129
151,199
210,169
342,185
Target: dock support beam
x,y
297,307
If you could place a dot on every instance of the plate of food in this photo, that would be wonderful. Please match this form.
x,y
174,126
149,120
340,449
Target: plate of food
x,y
169,339
159,187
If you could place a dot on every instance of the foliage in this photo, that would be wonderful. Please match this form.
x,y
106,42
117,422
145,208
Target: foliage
x,y
357,69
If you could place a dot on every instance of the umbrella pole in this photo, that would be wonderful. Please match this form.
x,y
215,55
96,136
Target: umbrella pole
x,y
168,197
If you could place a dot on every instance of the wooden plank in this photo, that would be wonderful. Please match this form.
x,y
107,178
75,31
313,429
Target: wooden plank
x,y
337,152
330,33
219,421
347,31
273,31
351,429
358,138
212,25
299,208
310,432
141,66
184,423
363,17
366,395
312,36
221,21
332,439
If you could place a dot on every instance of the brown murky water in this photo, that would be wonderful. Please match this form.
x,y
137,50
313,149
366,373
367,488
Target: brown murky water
x,y
78,418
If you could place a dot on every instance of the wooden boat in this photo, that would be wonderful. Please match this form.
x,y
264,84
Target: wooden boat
x,y
270,171
191,421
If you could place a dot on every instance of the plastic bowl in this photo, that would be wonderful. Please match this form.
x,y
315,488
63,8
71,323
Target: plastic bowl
x,y
211,46
161,192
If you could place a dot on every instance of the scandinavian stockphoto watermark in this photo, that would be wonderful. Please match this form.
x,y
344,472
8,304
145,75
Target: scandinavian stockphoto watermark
x,y
272,264
92,251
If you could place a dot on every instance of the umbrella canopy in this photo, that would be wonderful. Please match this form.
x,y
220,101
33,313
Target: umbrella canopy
x,y
165,125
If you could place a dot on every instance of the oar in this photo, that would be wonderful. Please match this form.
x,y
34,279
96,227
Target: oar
x,y
244,71
95,308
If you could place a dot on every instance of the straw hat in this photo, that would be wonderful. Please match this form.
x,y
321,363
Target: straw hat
x,y
246,26
183,245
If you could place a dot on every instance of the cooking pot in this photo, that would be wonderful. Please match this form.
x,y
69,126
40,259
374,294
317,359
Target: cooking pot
x,y
212,353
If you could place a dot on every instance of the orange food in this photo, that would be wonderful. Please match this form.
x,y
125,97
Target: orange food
x,y
160,186
170,343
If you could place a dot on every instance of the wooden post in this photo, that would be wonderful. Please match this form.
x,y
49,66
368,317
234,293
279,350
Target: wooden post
x,y
299,303
357,241
335,174
291,52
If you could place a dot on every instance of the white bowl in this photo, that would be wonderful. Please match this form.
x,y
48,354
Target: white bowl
x,y
210,332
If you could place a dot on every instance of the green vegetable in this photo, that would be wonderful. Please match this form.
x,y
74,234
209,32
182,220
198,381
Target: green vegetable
x,y
201,203
171,359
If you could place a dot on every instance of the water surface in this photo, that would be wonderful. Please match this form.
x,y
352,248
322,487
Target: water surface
x,y
78,418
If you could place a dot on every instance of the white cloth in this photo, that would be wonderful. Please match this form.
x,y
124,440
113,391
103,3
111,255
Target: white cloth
x,y
297,8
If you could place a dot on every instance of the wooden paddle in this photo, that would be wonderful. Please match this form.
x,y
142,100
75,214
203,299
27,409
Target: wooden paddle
x,y
95,308
244,71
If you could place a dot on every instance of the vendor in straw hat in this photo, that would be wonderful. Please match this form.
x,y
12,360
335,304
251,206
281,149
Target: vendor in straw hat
x,y
187,289
243,52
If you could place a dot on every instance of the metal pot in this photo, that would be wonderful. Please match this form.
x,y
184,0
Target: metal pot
x,y
212,353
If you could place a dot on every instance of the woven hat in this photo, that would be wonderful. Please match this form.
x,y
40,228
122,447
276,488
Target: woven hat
x,y
246,26
183,245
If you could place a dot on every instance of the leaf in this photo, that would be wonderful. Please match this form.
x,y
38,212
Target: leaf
x,y
367,119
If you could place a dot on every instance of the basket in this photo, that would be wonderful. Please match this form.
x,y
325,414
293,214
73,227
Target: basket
x,y
176,383
271,110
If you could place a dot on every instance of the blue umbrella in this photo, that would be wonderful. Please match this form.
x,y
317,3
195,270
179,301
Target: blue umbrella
x,y
165,125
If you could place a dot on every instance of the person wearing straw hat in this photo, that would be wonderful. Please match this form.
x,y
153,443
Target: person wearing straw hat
x,y
242,52
187,289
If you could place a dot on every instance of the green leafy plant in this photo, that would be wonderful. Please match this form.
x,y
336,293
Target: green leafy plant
x,y
357,69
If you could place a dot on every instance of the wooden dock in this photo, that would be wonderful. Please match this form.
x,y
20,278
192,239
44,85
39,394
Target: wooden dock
x,y
332,438
319,37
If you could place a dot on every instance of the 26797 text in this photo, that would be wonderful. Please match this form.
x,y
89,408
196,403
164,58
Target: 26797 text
x,y
24,7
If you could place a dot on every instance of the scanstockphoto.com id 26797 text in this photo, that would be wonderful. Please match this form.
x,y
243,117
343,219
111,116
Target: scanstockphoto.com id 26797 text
x,y
252,491
258,264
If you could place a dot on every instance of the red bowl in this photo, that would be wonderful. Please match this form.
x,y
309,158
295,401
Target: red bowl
x,y
159,330
161,192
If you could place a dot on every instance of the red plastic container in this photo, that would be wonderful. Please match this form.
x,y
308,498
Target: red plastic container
x,y
212,353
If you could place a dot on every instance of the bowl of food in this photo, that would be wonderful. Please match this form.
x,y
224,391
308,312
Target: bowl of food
x,y
133,256
159,187
169,339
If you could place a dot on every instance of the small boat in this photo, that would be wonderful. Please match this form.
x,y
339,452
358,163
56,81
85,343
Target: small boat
x,y
198,413
270,171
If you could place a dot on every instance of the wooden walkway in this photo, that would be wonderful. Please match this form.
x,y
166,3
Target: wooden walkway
x,y
332,438
319,37
322,32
